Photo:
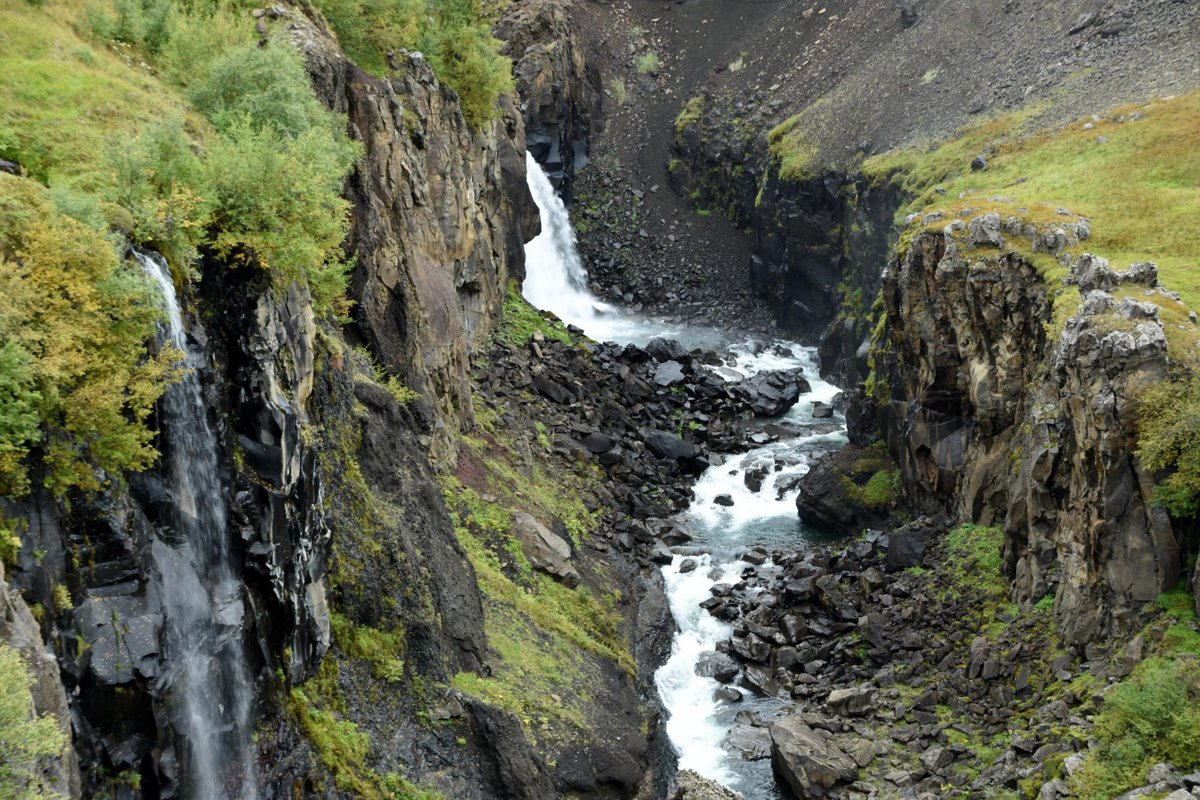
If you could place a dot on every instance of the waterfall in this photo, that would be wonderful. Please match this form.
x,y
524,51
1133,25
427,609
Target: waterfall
x,y
209,694
697,723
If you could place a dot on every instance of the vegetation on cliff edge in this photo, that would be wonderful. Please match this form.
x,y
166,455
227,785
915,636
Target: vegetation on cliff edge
x,y
25,738
454,36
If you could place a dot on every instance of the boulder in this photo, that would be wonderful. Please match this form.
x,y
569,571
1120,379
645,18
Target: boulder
x,y
906,547
666,350
555,391
597,442
668,373
719,666
690,786
807,760
851,702
772,392
667,445
545,549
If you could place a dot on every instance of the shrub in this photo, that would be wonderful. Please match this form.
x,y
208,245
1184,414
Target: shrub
x,y
74,323
465,56
1152,717
265,85
199,37
454,35
25,739
1169,439
369,29
156,183
619,93
282,201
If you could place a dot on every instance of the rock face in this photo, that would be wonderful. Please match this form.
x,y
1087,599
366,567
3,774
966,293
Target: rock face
x,y
440,217
691,786
545,550
558,80
812,236
1001,413
20,631
834,495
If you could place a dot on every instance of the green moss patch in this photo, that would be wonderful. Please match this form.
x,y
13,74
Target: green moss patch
x,y
520,321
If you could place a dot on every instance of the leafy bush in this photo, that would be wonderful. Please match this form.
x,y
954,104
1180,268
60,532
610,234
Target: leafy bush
x,y
157,186
369,29
74,323
465,56
25,739
454,35
265,85
1152,717
199,37
1169,439
281,199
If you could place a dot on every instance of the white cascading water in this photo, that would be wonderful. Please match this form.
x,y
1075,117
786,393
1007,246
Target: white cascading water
x,y
697,724
209,692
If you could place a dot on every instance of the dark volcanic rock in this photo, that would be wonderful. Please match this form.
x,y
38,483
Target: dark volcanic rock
x,y
833,494
772,392
807,760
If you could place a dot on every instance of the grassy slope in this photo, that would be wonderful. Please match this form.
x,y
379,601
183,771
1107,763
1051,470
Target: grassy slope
x,y
1133,173
73,98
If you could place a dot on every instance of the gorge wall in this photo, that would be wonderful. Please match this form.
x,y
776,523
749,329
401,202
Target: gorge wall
x,y
334,446
1004,405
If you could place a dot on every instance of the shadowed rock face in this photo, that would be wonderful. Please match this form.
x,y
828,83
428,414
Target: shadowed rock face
x,y
439,221
557,73
996,420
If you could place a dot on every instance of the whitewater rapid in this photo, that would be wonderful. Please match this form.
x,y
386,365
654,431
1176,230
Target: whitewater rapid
x,y
697,724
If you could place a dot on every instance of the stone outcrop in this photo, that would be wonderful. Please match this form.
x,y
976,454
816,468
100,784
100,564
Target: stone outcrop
x,y
545,549
818,240
440,216
557,71
20,631
691,786
1005,411
807,759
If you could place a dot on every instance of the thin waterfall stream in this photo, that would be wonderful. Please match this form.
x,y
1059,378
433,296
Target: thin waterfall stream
x,y
699,724
208,687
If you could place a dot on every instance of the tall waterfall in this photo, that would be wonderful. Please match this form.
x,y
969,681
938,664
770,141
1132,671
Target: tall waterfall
x,y
210,696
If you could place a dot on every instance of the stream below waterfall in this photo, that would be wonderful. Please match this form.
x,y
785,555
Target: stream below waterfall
x,y
698,725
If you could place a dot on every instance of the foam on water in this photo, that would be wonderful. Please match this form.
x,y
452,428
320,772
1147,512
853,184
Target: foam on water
x,y
697,724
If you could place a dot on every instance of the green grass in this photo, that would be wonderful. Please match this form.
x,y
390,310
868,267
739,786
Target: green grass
x,y
1140,188
619,92
792,144
520,320
505,576
318,706
1154,714
66,99
882,490
26,740
690,114
648,63
972,564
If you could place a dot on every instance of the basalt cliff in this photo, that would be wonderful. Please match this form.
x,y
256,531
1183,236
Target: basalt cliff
x,y
445,513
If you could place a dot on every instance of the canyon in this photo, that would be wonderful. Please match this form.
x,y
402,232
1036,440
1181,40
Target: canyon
x,y
752,405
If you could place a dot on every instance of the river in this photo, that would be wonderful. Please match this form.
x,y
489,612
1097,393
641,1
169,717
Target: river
x,y
698,725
